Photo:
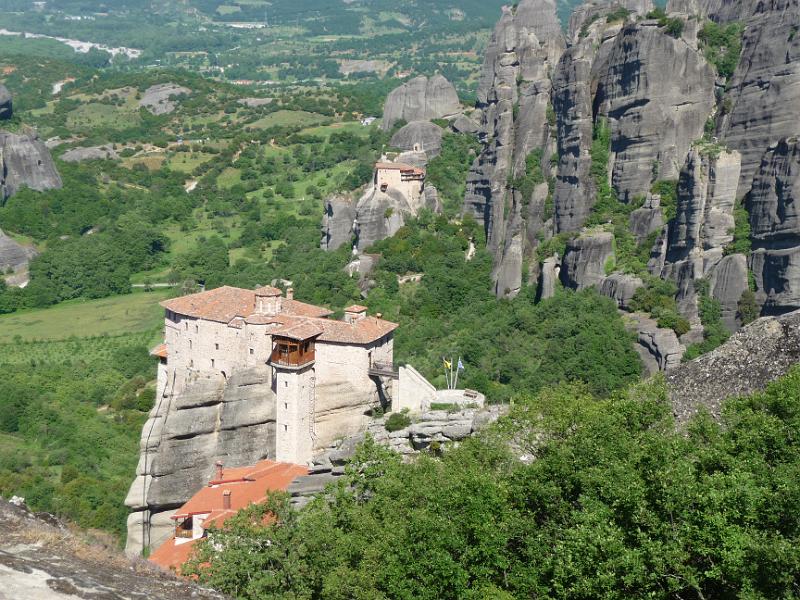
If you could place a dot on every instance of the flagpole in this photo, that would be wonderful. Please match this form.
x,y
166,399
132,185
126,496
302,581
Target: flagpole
x,y
446,378
455,384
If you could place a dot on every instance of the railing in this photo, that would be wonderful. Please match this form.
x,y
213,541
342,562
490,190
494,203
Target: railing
x,y
180,532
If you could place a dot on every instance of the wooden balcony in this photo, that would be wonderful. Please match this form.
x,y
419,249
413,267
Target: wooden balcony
x,y
184,530
292,355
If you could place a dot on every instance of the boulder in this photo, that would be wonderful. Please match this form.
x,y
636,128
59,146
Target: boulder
x,y
13,255
90,153
758,354
659,348
621,288
463,124
585,260
420,99
421,136
647,219
25,162
160,99
6,108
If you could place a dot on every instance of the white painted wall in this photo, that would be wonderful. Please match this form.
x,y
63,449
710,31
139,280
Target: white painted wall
x,y
413,392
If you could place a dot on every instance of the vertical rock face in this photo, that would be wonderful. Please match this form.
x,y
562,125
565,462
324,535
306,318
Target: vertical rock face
x,y
764,92
212,419
420,99
422,135
513,97
775,224
656,93
25,162
13,255
337,222
6,109
700,231
585,260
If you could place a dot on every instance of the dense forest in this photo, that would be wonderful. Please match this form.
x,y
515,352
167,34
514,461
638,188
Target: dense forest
x,y
611,502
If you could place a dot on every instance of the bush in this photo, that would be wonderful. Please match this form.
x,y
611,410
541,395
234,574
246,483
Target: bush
x,y
397,421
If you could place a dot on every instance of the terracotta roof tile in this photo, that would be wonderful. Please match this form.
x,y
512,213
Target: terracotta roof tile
x,y
363,331
301,309
160,351
304,330
170,555
220,304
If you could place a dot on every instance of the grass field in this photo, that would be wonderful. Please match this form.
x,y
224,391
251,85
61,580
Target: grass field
x,y
138,312
95,114
284,118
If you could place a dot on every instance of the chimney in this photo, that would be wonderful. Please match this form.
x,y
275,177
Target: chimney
x,y
355,313
220,470
290,293
268,301
379,316
226,500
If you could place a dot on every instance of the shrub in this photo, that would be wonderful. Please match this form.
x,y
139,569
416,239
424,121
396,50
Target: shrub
x,y
397,421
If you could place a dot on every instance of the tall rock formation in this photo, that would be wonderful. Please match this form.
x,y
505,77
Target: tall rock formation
x,y
773,204
657,93
212,419
6,109
25,162
420,99
513,97
701,230
760,107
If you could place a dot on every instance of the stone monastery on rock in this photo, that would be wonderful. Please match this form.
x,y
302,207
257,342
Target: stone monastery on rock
x,y
226,329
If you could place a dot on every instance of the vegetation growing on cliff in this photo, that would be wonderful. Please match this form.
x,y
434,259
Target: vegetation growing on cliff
x,y
722,45
616,504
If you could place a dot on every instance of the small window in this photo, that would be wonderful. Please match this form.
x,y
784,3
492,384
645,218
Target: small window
x,y
212,363
252,351
216,346
191,363
186,325
190,344
286,405
285,384
196,328
286,428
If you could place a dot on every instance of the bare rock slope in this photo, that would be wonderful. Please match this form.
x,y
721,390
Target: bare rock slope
x,y
420,99
757,355
25,162
41,559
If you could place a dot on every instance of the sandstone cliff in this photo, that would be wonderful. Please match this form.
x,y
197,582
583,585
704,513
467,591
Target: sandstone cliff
x,y
25,162
420,99
213,419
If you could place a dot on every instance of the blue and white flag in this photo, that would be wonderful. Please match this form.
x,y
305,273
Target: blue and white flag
x,y
460,365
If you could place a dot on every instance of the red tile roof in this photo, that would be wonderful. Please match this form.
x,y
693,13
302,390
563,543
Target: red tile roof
x,y
160,351
226,303
247,485
220,304
396,166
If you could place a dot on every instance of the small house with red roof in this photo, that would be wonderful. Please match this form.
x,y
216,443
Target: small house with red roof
x,y
230,491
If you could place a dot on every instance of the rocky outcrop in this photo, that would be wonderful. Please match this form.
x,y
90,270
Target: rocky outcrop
x,y
25,162
421,136
594,10
621,289
513,98
42,558
420,99
758,354
6,105
775,224
160,99
659,348
463,124
585,260
13,255
90,153
764,92
379,215
657,93
648,219
337,222
213,419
